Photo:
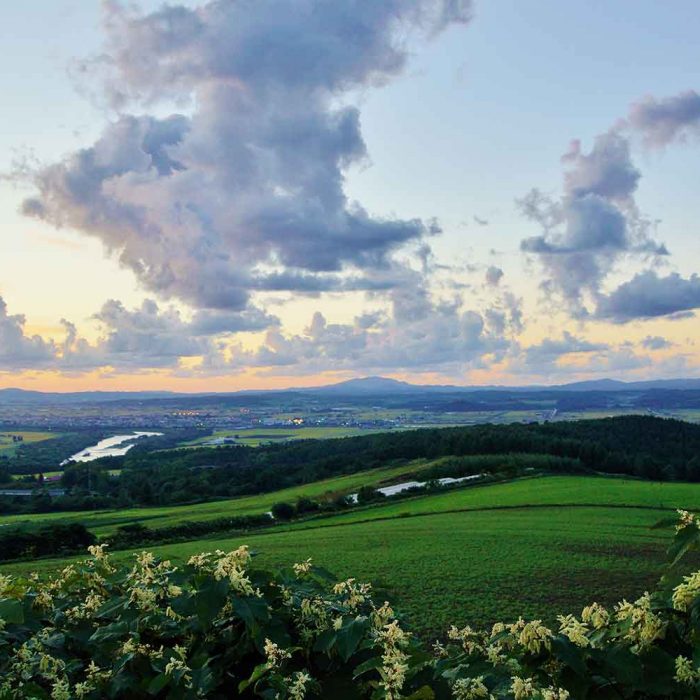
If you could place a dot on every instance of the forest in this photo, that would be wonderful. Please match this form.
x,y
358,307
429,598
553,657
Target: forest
x,y
640,446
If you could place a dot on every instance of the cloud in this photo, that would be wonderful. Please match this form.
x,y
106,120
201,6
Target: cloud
x,y
19,351
594,224
664,121
494,275
549,350
647,295
207,323
656,342
419,334
246,192
142,338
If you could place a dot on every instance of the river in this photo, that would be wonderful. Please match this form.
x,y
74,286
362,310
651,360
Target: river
x,y
109,447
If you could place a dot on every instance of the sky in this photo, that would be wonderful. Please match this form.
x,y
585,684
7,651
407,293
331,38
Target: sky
x,y
213,195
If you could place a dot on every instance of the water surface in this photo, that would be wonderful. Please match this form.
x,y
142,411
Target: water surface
x,y
109,447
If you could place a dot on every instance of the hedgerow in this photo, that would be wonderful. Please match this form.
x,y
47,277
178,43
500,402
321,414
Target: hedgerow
x,y
218,628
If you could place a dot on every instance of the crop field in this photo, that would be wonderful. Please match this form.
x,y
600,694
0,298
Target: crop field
x,y
252,437
471,555
8,445
690,414
57,473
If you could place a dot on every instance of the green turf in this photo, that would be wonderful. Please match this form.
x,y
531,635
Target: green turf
x,y
482,553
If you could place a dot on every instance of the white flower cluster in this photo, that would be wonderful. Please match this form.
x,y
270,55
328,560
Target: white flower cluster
x,y
230,565
471,689
645,626
686,672
393,641
686,519
685,594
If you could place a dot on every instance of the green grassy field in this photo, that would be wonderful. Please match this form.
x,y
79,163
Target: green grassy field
x,y
8,446
253,437
48,475
104,522
471,555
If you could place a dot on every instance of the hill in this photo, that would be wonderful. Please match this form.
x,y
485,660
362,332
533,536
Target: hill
x,y
498,551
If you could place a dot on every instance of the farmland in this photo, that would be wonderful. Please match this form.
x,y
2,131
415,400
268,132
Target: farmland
x,y
530,546
8,445
253,437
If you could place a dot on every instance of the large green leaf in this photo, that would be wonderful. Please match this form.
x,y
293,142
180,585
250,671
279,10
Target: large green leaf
x,y
251,610
12,611
350,635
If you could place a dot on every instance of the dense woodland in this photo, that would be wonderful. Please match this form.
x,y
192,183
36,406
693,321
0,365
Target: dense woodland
x,y
640,446
46,455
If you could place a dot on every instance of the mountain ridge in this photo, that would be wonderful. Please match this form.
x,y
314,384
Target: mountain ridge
x,y
359,386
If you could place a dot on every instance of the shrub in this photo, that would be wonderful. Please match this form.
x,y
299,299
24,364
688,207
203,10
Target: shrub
x,y
52,539
217,628
368,494
306,505
283,511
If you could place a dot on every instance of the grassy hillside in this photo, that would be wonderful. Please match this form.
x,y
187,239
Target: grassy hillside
x,y
472,555
104,522
535,492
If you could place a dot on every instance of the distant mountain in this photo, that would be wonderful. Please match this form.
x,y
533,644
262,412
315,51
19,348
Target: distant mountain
x,y
367,385
593,385
615,385
384,385
24,396
364,386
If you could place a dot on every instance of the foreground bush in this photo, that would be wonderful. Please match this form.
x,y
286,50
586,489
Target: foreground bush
x,y
215,628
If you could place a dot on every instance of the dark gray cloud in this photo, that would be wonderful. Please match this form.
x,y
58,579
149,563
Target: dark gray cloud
x,y
197,205
18,350
663,121
594,224
647,295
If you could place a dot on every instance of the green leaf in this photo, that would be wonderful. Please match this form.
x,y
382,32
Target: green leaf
x,y
349,636
210,599
325,641
109,633
258,672
250,610
682,542
370,665
623,665
158,683
12,611
567,652
111,607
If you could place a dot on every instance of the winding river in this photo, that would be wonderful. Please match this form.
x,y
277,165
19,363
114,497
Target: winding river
x,y
109,447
